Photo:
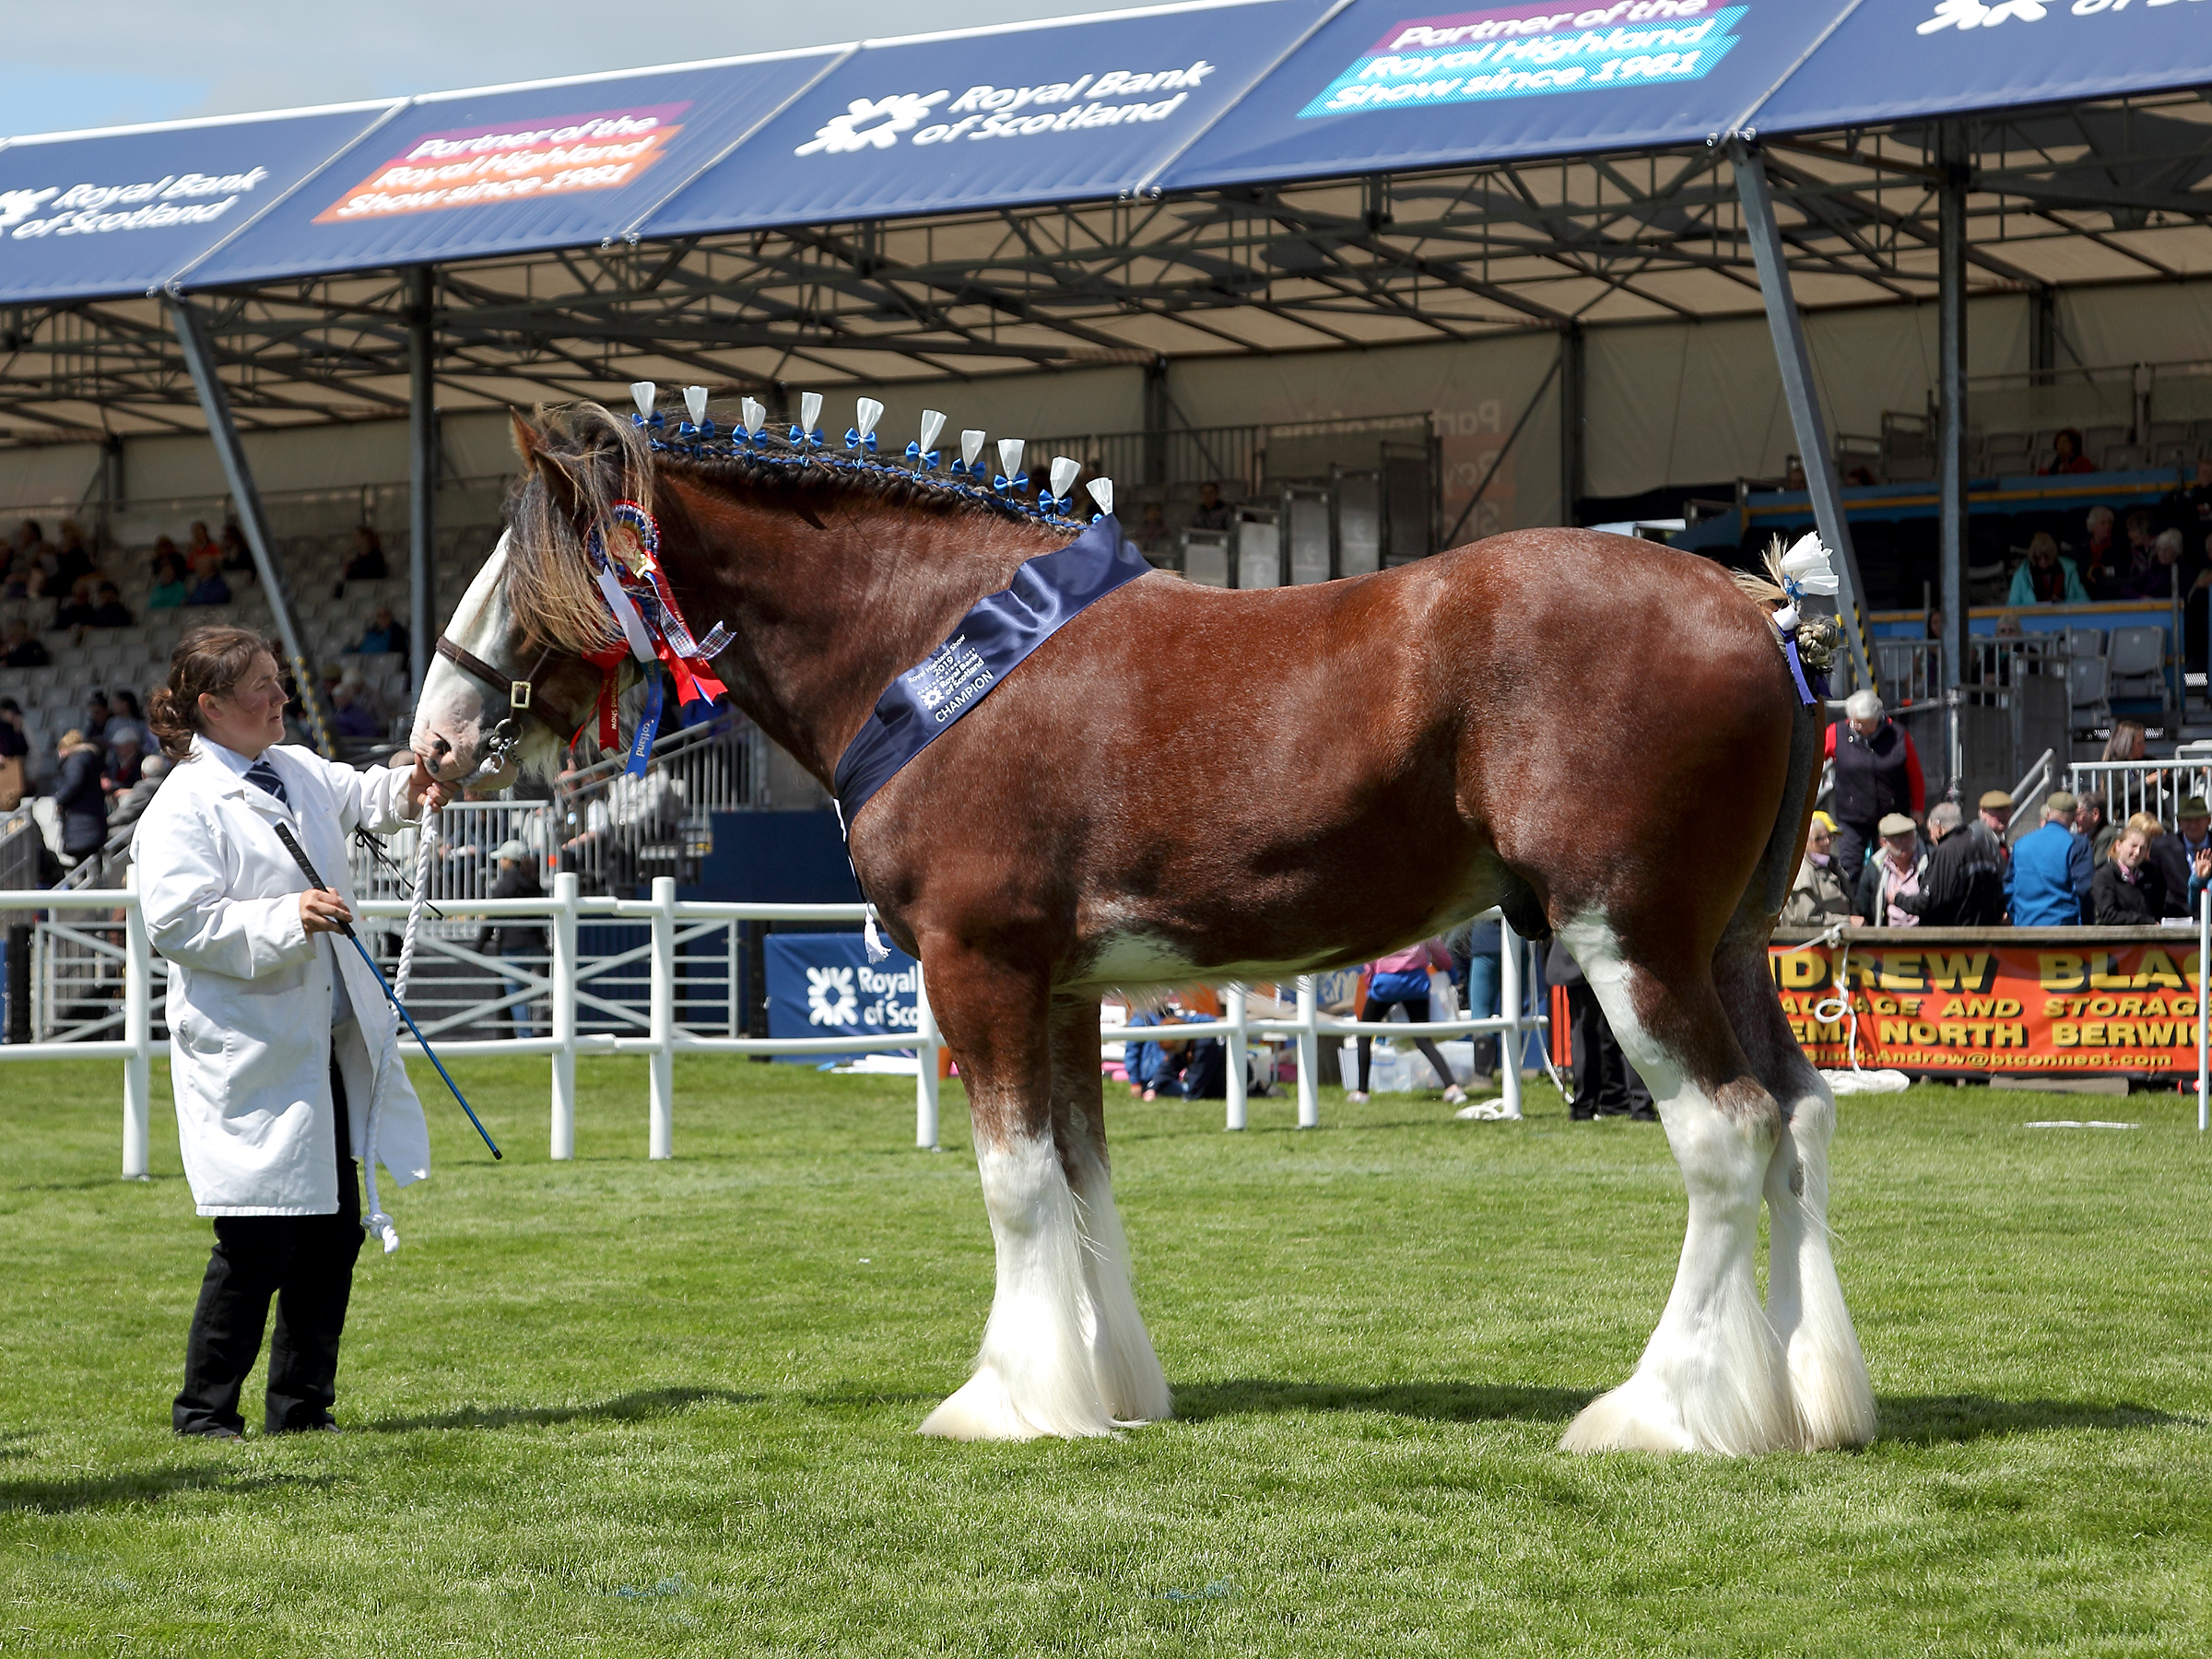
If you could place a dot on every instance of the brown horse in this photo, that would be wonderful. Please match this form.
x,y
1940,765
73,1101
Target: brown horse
x,y
1597,733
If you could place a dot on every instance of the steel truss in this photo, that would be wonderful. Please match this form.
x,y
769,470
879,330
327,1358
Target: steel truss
x,y
2102,193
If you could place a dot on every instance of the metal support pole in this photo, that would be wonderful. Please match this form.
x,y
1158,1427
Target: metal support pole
x,y
1796,365
1508,1004
137,1031
567,887
1235,1011
422,479
662,1136
927,1042
1951,377
2203,1051
199,358
1309,1055
1572,382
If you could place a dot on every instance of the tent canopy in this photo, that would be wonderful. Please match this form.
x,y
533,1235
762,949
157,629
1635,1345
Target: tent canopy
x,y
1239,175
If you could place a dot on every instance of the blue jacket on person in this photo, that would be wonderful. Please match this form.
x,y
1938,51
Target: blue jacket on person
x,y
2051,872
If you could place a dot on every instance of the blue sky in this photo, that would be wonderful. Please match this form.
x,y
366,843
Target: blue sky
x,y
104,63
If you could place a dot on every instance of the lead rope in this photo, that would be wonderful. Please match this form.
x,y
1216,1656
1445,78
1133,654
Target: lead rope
x,y
425,849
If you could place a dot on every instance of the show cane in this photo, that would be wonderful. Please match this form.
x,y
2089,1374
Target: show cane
x,y
292,845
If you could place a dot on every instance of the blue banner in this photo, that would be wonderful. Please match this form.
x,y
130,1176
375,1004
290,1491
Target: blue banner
x,y
1059,111
113,214
509,170
1388,85
824,985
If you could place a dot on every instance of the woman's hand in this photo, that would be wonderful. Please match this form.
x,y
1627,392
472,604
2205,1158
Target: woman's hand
x,y
425,792
322,910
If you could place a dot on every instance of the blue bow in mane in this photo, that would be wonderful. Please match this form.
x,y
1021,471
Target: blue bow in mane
x,y
1018,484
640,421
801,438
854,441
927,462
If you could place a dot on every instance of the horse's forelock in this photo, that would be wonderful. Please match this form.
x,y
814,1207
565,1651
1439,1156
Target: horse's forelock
x,y
583,461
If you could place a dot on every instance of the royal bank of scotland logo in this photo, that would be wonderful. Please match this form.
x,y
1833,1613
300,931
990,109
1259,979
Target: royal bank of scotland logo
x,y
830,999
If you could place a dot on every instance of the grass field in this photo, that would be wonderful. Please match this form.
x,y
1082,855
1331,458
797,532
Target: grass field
x,y
614,1408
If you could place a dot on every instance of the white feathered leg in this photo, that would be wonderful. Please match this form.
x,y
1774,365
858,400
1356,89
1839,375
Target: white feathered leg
x,y
1712,1377
1804,1297
1123,1367
1034,1376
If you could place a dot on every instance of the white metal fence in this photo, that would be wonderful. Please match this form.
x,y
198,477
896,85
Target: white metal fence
x,y
666,988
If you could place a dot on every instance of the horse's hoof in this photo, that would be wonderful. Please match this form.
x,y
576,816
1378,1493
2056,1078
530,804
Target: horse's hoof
x,y
983,1409
1643,1415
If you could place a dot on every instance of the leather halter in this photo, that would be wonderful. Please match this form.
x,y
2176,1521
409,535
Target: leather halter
x,y
522,696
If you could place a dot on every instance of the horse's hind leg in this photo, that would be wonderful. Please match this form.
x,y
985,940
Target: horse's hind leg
x,y
1712,1377
1034,1375
1122,1365
1804,1297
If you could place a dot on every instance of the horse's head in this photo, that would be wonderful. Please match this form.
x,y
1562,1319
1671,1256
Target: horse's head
x,y
510,685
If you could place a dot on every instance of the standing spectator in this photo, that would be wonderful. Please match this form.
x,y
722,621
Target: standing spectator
x,y
2044,578
124,811
1963,883
1818,896
1877,773
1213,511
1401,980
15,756
384,637
2127,890
167,591
1481,946
84,804
2090,824
2190,505
2051,873
1892,874
352,716
2068,458
1993,821
120,769
98,712
2166,858
1606,1083
515,941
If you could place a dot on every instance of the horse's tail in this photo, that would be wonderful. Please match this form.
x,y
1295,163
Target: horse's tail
x,y
1770,884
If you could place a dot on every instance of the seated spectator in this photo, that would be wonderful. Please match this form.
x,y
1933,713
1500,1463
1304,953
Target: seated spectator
x,y
164,549
1153,537
368,561
1213,511
77,610
2173,573
197,541
2100,569
207,584
2051,873
2125,744
2142,537
124,759
352,717
1818,896
168,591
1963,885
1892,874
2044,578
110,611
24,648
2169,857
2068,458
126,809
2128,890
72,559
385,636
237,556
127,720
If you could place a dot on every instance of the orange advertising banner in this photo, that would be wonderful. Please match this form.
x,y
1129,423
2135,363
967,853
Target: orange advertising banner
x,y
512,162
2077,1009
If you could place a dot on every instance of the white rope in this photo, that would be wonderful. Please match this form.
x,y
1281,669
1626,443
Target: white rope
x,y
426,836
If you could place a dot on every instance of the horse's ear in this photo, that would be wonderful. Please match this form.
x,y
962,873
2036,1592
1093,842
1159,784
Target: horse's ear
x,y
530,444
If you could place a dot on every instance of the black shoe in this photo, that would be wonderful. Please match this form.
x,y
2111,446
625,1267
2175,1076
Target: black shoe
x,y
1581,1117
1644,1115
219,1432
325,1427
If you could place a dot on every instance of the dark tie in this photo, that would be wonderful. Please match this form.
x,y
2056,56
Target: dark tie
x,y
265,775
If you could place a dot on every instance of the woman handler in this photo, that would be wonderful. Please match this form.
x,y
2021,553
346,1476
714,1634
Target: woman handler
x,y
282,1036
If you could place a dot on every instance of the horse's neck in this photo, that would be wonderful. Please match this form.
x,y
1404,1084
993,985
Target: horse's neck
x,y
828,605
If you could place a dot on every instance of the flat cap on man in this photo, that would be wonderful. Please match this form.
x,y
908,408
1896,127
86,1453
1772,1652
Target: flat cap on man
x,y
1996,800
2060,800
1896,823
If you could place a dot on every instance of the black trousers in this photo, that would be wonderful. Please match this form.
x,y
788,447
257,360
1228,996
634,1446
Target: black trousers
x,y
1605,1085
306,1263
1855,844
1416,1010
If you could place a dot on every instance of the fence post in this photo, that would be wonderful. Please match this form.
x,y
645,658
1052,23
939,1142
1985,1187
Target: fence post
x,y
137,1031
1309,1055
1508,1004
1234,1077
926,1045
662,1134
566,888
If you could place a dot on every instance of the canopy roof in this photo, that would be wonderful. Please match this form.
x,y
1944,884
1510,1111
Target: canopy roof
x,y
1238,175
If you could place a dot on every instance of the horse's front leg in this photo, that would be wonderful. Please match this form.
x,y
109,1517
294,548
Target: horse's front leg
x,y
1126,1371
1035,1375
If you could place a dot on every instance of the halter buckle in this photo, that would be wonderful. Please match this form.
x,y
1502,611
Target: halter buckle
x,y
518,695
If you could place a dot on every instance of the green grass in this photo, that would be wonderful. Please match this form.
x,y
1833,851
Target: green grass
x,y
615,1407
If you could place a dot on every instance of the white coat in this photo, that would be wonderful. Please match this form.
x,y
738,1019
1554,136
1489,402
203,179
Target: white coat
x,y
249,986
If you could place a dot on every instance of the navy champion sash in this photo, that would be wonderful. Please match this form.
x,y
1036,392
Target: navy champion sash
x,y
991,642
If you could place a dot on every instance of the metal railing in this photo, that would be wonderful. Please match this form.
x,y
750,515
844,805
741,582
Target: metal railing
x,y
2158,787
569,990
